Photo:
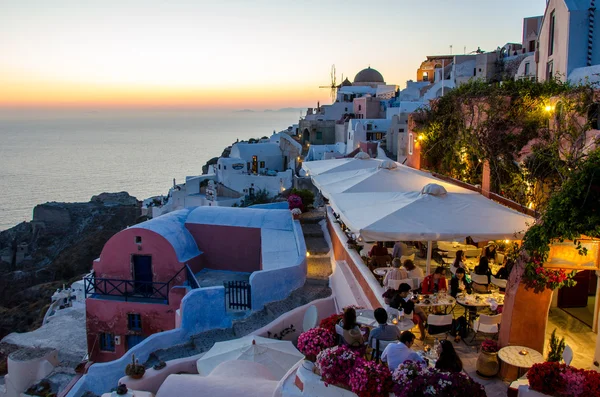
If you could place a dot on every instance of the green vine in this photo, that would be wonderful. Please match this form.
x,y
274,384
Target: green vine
x,y
519,127
572,212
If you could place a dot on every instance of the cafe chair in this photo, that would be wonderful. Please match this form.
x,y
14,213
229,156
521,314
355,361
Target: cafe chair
x,y
480,282
568,355
439,324
500,283
396,283
378,346
489,325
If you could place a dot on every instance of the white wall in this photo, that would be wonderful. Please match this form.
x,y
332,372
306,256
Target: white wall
x,y
272,184
561,35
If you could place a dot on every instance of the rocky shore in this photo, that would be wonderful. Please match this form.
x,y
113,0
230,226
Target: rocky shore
x,y
57,247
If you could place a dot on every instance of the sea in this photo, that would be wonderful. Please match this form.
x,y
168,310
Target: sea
x,y
70,155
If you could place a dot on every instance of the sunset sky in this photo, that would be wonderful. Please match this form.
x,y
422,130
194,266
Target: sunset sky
x,y
230,54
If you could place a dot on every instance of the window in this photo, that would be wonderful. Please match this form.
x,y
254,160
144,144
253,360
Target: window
x,y
319,135
224,167
107,342
369,127
345,109
400,129
551,34
262,163
359,107
550,70
474,71
532,46
410,143
527,69
134,322
138,239
425,76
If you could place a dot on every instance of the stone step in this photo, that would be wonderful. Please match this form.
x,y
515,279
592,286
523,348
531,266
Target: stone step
x,y
312,230
316,245
318,268
312,217
202,342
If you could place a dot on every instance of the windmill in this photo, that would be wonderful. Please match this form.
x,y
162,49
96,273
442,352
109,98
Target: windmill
x,y
333,85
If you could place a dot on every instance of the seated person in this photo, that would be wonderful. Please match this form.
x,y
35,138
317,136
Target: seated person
x,y
448,360
490,252
399,249
397,353
378,250
352,336
483,268
435,282
401,301
459,262
412,270
384,331
459,283
397,273
504,271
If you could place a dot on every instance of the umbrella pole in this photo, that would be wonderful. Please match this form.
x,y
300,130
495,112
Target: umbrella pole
x,y
428,266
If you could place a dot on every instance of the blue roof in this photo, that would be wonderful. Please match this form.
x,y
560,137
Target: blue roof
x,y
242,217
171,226
281,205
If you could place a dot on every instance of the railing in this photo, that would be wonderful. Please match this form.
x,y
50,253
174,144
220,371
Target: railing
x,y
128,289
192,282
238,295
134,289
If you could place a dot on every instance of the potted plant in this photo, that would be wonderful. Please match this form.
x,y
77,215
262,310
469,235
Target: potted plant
x,y
487,362
555,348
370,379
335,365
315,340
416,380
296,212
134,369
554,379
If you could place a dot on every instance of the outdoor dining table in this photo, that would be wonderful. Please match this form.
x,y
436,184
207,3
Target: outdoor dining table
x,y
382,271
480,300
367,317
434,300
520,357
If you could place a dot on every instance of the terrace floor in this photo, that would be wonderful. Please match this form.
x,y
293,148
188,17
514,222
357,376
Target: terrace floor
x,y
211,278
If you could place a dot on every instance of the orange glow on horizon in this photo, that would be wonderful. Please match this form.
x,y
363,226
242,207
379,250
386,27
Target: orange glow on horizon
x,y
45,94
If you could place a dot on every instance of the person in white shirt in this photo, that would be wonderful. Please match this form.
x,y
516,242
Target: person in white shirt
x,y
397,273
459,261
412,270
397,353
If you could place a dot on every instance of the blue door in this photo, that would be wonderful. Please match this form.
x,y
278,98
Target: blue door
x,y
142,274
133,340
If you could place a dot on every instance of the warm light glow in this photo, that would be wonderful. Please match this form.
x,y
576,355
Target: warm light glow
x,y
307,254
298,158
530,205
420,137
506,241
548,108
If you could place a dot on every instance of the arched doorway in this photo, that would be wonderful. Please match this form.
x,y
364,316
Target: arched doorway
x,y
306,136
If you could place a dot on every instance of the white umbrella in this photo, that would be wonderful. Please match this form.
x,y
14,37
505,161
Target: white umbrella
x,y
277,355
412,216
394,178
321,167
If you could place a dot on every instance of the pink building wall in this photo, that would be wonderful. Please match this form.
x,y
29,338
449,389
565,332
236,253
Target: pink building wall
x,y
116,257
109,316
228,247
367,107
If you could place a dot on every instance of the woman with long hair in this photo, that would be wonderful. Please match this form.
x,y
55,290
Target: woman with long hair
x,y
484,268
448,360
352,335
459,262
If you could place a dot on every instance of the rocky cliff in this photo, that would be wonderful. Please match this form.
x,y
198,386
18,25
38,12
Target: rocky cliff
x,y
58,246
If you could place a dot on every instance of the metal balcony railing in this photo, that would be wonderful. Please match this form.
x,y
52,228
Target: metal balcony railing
x,y
134,290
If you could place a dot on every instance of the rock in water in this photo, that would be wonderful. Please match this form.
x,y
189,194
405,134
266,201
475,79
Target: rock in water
x,y
121,198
